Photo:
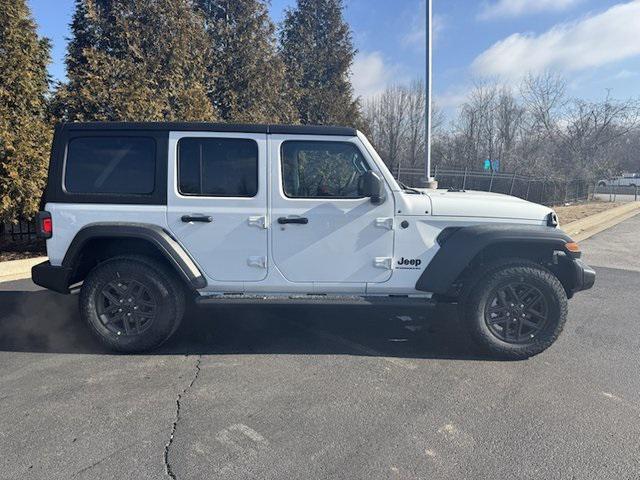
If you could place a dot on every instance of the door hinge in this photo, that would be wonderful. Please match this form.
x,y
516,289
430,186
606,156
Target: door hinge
x,y
258,221
260,262
384,222
382,262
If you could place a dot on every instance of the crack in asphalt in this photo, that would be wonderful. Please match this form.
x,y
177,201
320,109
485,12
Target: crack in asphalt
x,y
167,466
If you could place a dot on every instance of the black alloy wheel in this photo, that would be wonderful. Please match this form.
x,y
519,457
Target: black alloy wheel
x,y
126,307
516,312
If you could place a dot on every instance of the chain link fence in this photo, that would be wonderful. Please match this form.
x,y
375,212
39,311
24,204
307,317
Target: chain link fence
x,y
545,191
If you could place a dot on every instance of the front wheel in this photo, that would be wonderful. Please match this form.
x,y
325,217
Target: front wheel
x,y
131,304
516,309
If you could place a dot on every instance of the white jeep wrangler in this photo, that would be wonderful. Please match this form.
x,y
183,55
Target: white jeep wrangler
x,y
141,216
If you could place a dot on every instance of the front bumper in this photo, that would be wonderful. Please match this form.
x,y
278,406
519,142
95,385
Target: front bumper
x,y
51,277
584,276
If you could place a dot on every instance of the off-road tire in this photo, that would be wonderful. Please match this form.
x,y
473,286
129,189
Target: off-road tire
x,y
162,286
481,289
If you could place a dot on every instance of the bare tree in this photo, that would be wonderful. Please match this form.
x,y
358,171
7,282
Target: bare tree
x,y
534,130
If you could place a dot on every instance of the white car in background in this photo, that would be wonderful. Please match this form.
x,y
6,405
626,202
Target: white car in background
x,y
625,180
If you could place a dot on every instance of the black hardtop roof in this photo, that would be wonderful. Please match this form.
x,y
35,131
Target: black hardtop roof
x,y
215,127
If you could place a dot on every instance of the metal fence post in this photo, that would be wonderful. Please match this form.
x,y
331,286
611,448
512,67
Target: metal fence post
x,y
464,179
513,180
528,187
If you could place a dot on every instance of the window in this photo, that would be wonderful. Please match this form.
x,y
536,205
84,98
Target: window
x,y
322,169
118,165
218,167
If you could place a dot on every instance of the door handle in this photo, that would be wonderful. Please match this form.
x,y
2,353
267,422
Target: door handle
x,y
197,218
300,220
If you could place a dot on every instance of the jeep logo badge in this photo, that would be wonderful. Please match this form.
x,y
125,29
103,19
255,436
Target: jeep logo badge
x,y
412,263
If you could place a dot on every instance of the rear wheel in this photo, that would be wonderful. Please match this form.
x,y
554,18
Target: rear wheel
x,y
515,309
131,304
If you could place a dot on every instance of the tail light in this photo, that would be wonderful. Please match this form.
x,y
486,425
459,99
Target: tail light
x,y
44,225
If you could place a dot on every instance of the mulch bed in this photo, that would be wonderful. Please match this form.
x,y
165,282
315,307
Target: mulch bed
x,y
19,250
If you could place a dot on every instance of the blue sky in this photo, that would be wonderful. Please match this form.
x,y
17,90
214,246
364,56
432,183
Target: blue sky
x,y
594,43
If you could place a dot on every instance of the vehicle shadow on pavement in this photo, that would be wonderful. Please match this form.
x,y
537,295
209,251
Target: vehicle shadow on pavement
x,y
47,322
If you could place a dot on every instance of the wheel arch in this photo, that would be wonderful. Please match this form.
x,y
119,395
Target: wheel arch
x,y
100,241
463,250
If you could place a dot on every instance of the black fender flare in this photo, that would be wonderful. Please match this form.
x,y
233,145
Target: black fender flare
x,y
168,246
460,245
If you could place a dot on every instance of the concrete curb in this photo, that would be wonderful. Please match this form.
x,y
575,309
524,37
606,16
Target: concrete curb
x,y
18,269
587,227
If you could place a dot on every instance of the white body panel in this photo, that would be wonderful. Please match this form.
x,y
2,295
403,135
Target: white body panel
x,y
233,247
70,218
484,205
343,238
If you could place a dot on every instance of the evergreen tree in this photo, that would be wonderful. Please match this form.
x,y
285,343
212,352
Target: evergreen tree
x,y
24,133
317,49
250,82
136,60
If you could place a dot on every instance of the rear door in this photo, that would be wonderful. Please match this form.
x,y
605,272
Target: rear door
x,y
217,202
323,230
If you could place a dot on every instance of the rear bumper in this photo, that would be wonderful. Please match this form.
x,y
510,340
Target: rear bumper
x,y
584,276
51,277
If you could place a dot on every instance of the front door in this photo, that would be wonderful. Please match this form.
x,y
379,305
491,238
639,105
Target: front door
x,y
323,230
217,202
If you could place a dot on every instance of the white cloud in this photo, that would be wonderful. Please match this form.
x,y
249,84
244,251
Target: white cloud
x,y
369,74
517,8
589,43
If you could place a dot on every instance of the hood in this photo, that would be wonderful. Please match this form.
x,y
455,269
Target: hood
x,y
484,204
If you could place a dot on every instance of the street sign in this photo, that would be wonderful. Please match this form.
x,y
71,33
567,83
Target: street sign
x,y
487,165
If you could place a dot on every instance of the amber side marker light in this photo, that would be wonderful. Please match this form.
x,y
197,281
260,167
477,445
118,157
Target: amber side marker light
x,y
572,247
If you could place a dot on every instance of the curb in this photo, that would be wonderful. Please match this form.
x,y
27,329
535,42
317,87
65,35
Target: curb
x,y
18,269
589,226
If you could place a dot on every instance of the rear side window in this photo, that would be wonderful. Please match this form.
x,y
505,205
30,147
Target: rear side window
x,y
117,165
218,167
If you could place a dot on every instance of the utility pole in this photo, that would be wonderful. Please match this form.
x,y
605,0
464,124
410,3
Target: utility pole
x,y
430,181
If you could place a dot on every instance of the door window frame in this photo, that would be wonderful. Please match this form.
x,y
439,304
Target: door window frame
x,y
173,171
208,195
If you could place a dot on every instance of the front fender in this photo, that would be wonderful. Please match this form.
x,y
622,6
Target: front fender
x,y
459,246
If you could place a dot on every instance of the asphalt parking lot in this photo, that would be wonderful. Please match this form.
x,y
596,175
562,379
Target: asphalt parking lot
x,y
326,391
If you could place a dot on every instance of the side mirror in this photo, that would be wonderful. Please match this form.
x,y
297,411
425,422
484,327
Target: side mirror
x,y
371,185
